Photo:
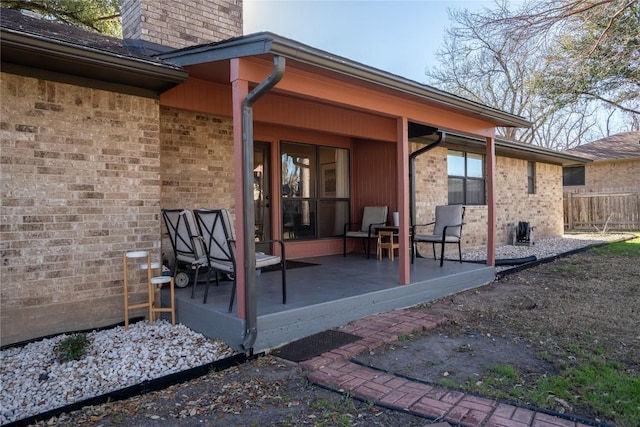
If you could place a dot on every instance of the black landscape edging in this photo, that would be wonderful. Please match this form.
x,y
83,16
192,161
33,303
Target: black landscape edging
x,y
547,260
573,418
139,389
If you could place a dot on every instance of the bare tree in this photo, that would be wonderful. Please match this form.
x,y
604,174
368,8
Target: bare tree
x,y
565,65
488,65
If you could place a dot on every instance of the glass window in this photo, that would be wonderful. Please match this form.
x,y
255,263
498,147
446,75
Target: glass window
x,y
466,178
455,163
531,177
474,192
456,191
475,165
573,175
315,191
298,170
299,219
333,215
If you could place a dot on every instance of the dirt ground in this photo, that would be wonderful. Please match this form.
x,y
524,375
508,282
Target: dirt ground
x,y
583,300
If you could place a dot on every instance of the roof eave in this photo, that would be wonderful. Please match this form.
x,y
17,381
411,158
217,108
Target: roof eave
x,y
62,57
542,154
269,43
515,150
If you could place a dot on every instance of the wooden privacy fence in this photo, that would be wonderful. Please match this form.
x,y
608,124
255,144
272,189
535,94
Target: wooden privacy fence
x,y
602,211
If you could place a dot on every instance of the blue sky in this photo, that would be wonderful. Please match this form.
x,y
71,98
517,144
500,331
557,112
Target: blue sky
x,y
400,36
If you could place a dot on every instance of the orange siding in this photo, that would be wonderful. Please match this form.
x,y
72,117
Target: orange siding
x,y
315,86
199,95
297,112
373,177
214,98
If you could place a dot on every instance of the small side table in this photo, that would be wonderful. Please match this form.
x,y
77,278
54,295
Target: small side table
x,y
148,303
387,241
156,305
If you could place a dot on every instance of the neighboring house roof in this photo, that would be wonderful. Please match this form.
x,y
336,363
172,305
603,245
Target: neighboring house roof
x,y
38,44
266,43
621,146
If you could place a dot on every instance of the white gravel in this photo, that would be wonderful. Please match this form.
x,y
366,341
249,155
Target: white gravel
x,y
33,381
546,247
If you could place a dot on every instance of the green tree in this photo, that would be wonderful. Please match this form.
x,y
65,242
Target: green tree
x,y
102,16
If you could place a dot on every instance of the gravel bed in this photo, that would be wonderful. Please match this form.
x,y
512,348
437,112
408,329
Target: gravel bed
x,y
33,381
546,247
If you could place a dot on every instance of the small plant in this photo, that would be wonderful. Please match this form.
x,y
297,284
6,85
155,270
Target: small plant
x,y
409,337
72,348
506,372
446,382
343,420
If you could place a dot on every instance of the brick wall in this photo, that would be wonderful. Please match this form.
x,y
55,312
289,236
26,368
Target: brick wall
x,y
621,175
80,185
181,23
542,209
196,163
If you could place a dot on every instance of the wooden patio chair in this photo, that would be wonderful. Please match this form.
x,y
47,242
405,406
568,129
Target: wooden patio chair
x,y
217,229
188,248
372,218
447,229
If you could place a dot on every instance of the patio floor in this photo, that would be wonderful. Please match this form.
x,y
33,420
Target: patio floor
x,y
334,292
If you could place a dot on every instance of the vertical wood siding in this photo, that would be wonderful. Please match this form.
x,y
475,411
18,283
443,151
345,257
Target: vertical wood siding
x,y
215,98
373,176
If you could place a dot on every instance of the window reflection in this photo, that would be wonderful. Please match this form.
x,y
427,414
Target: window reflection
x,y
315,190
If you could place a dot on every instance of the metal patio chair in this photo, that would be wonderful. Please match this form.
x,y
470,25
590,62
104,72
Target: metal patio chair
x,y
372,218
447,229
188,248
217,229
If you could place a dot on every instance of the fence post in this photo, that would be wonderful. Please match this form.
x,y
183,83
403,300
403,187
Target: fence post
x,y
570,210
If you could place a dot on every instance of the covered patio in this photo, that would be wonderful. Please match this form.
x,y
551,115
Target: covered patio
x,y
321,137
332,292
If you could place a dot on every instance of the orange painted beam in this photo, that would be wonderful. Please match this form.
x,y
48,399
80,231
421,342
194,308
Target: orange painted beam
x,y
240,90
490,156
402,157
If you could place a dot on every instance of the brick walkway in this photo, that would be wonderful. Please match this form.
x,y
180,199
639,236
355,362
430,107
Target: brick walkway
x,y
334,370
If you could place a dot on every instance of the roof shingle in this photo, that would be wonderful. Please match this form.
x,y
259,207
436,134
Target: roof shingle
x,y
624,145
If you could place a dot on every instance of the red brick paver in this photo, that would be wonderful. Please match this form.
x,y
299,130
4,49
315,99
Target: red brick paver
x,y
333,370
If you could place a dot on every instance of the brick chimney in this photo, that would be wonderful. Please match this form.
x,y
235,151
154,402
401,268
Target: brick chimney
x,y
181,23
